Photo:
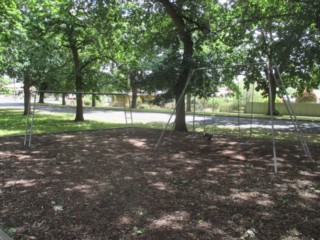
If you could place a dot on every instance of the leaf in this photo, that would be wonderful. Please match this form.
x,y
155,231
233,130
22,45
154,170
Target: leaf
x,y
58,208
11,231
138,230
250,233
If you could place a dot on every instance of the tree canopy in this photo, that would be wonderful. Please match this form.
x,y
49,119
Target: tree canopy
x,y
153,45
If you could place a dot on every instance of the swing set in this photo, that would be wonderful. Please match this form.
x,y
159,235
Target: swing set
x,y
277,76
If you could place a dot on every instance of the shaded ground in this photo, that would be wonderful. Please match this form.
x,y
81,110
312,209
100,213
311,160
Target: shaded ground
x,y
111,185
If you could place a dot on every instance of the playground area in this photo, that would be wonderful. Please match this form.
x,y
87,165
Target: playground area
x,y
110,184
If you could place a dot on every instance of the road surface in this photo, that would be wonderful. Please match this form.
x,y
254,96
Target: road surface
x,y
144,117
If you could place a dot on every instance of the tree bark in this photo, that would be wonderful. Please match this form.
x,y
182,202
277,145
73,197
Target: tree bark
x,y
27,83
134,89
272,92
43,87
64,99
79,109
41,97
27,98
93,102
79,83
134,98
185,36
189,102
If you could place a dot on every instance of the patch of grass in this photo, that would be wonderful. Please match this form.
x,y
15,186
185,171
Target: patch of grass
x,y
254,133
154,125
13,123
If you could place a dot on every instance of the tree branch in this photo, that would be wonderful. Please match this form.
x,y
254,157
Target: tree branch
x,y
89,62
200,27
177,19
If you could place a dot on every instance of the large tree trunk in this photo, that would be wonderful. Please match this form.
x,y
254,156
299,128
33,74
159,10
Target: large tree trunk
x,y
134,98
272,92
93,100
185,36
272,97
79,83
41,97
134,88
79,109
180,121
64,99
27,96
189,102
43,87
27,83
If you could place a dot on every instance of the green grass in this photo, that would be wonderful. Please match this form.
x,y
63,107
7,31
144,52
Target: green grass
x,y
13,123
255,133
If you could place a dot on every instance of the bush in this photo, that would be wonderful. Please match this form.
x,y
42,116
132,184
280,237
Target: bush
x,y
87,102
306,96
214,103
276,113
144,106
139,101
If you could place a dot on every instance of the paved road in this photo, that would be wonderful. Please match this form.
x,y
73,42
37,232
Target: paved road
x,y
138,117
258,123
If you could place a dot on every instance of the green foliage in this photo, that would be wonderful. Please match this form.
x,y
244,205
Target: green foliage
x,y
276,112
123,45
4,80
215,103
306,96
279,33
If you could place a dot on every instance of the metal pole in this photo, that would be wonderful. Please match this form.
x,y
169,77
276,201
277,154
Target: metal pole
x,y
32,121
194,105
238,98
177,105
27,124
251,116
294,117
126,113
194,113
272,120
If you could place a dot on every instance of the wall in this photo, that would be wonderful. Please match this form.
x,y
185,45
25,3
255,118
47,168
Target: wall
x,y
300,109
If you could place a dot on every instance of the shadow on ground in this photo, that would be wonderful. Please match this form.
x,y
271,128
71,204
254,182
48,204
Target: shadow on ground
x,y
111,185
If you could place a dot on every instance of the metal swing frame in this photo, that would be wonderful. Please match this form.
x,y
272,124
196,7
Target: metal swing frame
x,y
289,107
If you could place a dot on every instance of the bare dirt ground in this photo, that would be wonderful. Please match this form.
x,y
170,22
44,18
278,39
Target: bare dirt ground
x,y
111,185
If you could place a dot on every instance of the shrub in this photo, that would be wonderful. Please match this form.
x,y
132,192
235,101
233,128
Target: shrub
x,y
87,102
214,103
144,106
306,96
276,113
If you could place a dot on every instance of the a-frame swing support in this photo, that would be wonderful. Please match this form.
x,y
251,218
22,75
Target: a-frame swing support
x,y
30,118
288,106
292,115
181,98
32,106
274,151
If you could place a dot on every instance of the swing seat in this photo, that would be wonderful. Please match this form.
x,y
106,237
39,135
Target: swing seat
x,y
207,136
